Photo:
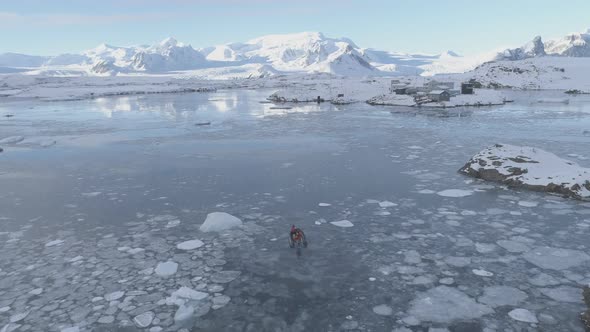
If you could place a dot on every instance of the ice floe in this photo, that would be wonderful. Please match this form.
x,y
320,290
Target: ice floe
x,y
445,304
497,296
523,315
528,204
563,294
144,320
455,193
383,310
342,223
219,221
556,258
190,245
54,243
114,296
482,273
166,269
386,204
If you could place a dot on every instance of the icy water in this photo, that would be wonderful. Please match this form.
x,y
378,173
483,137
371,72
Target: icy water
x,y
96,198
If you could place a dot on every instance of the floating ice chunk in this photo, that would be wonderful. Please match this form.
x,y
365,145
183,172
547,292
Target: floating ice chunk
x,y
372,279
482,273
563,294
185,294
134,251
342,223
166,269
411,321
190,245
556,258
224,277
497,296
4,309
92,194
54,243
12,140
75,259
458,261
383,310
446,281
184,313
513,246
528,204
543,280
36,291
484,248
456,193
412,257
18,317
382,213
444,304
172,223
523,315
426,192
324,204
349,325
71,329
144,320
221,301
386,204
114,296
422,280
219,221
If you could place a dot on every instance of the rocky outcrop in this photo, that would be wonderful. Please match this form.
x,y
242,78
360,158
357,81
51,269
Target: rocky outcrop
x,y
532,49
530,168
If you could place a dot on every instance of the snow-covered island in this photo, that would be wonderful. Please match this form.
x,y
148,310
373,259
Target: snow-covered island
x,y
530,168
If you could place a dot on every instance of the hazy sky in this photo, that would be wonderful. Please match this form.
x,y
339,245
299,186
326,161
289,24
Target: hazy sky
x,y
465,26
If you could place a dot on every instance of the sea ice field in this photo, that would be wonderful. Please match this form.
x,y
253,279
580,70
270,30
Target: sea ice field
x,y
171,212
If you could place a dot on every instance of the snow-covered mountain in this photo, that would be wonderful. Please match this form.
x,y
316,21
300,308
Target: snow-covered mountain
x,y
307,52
301,52
573,45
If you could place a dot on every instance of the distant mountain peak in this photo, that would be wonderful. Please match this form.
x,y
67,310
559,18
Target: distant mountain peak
x,y
450,53
169,42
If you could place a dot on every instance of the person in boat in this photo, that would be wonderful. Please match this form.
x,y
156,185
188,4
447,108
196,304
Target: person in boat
x,y
296,233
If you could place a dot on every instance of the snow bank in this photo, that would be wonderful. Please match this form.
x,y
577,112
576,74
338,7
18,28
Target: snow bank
x,y
481,97
530,168
219,221
543,73
392,100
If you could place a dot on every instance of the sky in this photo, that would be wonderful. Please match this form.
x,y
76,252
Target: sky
x,y
469,27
